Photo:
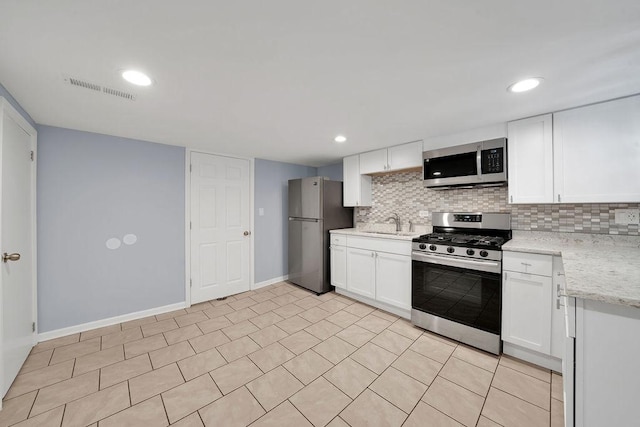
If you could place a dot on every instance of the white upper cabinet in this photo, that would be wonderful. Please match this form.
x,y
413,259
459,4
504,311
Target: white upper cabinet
x,y
597,153
405,156
399,157
530,159
356,187
373,161
584,155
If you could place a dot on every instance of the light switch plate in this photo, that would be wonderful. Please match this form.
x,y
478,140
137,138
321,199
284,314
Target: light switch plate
x,y
260,211
424,214
627,216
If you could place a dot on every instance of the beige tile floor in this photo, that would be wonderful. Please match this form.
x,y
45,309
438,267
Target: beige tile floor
x,y
278,356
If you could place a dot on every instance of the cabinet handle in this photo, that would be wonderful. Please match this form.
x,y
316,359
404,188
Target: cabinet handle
x,y
558,197
558,293
560,274
511,198
526,264
373,254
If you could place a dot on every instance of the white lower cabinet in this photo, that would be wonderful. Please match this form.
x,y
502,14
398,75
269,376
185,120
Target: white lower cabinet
x,y
361,272
338,266
526,311
607,389
393,273
533,308
375,270
558,331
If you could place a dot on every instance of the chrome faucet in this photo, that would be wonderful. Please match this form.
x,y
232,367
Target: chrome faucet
x,y
396,218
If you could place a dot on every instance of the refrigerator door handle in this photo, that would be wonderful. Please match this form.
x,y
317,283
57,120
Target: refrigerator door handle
x,y
304,219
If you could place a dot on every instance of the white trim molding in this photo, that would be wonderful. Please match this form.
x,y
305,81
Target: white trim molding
x,y
269,282
44,336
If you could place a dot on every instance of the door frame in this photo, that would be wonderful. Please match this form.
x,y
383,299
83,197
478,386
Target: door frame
x,y
6,107
187,217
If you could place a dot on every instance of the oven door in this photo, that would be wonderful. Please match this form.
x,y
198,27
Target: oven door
x,y
465,291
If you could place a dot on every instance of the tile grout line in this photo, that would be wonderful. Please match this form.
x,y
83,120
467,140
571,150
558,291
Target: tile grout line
x,y
166,413
484,402
32,405
520,398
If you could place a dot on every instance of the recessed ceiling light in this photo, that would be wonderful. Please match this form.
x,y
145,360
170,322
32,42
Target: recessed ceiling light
x,y
340,138
136,77
525,85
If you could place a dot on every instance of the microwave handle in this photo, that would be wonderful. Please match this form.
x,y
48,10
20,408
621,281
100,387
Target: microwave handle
x,y
479,161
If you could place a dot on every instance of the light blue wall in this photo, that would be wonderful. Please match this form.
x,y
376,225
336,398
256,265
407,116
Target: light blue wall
x,y
333,172
5,94
271,183
95,187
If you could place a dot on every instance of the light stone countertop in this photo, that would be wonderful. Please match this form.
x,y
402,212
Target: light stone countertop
x,y
404,235
597,267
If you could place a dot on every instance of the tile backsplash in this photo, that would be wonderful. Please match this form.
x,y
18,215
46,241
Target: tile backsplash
x,y
405,194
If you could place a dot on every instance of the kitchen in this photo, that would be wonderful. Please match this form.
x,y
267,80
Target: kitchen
x,y
117,201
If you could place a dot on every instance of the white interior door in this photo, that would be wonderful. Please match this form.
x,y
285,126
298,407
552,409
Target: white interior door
x,y
16,244
220,220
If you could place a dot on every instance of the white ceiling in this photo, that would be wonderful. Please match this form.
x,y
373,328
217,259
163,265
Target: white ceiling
x,y
279,79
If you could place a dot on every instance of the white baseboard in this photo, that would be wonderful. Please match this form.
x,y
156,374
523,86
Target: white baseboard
x,y
531,356
377,304
44,336
269,282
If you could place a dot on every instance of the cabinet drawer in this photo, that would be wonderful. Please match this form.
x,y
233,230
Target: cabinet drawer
x,y
338,239
400,247
521,262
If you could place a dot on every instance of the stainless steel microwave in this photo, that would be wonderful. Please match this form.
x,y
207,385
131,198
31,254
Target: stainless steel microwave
x,y
481,163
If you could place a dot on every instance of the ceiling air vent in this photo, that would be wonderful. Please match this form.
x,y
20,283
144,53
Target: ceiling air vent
x,y
82,83
73,81
120,93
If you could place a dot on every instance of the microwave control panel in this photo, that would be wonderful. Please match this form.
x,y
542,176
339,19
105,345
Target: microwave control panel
x,y
493,160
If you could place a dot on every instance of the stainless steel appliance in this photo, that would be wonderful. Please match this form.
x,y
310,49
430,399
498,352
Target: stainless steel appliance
x,y
315,207
478,164
456,285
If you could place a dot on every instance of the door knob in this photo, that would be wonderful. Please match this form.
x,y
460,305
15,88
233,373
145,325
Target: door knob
x,y
247,233
10,257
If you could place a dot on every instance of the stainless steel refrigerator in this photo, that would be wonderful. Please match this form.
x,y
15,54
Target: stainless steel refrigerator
x,y
315,207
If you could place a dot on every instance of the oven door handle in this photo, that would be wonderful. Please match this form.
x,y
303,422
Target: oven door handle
x,y
472,264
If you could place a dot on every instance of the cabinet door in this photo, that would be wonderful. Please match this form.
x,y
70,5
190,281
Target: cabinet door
x,y
374,161
597,152
356,187
405,156
526,311
557,310
339,266
530,160
361,272
393,279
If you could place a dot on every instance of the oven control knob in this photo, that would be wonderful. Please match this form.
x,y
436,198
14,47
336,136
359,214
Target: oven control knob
x,y
484,253
450,249
433,247
470,252
422,246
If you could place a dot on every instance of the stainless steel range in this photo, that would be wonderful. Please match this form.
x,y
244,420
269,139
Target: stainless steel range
x,y
457,277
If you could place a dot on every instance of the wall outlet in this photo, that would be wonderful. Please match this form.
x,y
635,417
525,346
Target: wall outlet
x,y
424,214
627,216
